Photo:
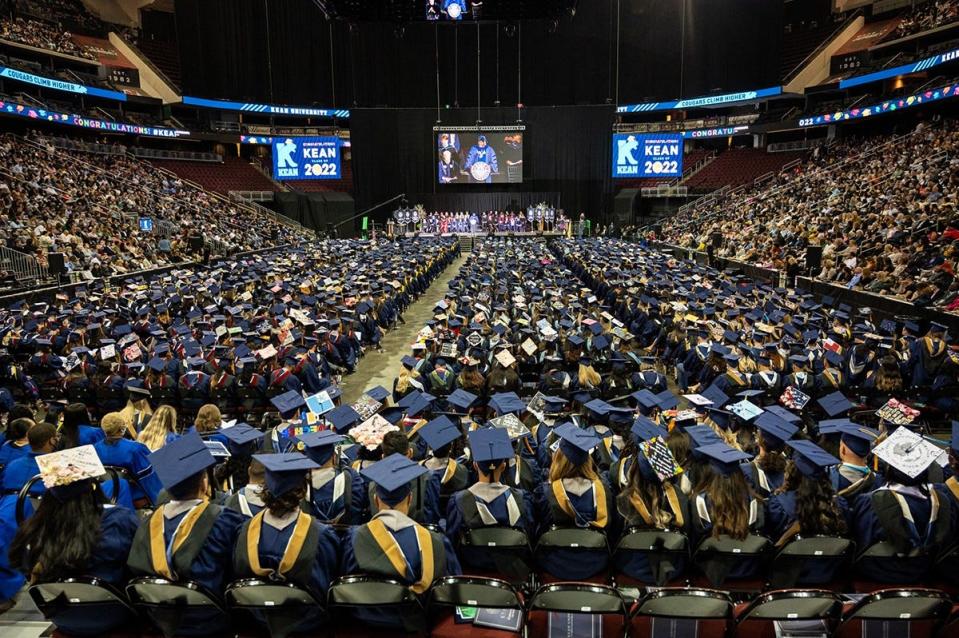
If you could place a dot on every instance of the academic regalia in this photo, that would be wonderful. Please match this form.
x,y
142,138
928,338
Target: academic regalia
x,y
633,514
19,472
248,500
10,451
89,435
338,496
11,579
132,456
108,559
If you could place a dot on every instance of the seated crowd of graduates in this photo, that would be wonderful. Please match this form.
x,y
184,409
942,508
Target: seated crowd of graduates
x,y
528,403
235,333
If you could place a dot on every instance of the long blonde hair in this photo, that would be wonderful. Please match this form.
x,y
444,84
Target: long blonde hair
x,y
208,418
162,424
589,377
562,468
130,409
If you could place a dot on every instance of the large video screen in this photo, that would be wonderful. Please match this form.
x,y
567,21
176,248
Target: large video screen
x,y
306,158
652,155
481,157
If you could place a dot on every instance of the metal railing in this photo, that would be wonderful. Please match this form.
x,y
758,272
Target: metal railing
x,y
24,268
163,154
251,196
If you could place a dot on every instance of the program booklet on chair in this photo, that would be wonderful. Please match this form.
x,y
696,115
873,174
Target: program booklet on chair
x,y
567,625
801,629
506,619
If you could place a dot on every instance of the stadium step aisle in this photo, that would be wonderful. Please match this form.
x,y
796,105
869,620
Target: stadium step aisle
x,y
381,368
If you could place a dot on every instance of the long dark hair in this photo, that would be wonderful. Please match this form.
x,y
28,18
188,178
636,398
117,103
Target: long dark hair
x,y
59,538
288,501
74,415
816,508
772,461
729,500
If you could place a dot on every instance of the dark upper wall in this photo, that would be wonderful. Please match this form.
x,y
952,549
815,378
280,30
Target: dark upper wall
x,y
229,47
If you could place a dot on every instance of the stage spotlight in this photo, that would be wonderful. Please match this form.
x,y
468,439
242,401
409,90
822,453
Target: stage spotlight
x,y
476,8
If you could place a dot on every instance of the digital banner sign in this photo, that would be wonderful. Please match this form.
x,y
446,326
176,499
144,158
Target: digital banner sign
x,y
889,106
914,67
265,109
697,102
22,110
650,155
60,85
306,158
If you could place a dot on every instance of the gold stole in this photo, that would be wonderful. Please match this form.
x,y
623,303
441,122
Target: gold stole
x,y
391,549
416,428
158,556
450,471
599,495
934,347
671,498
953,484
293,547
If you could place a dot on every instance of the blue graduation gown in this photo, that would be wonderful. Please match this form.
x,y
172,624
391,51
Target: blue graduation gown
x,y
118,525
456,524
89,435
132,456
19,472
780,515
325,509
569,564
273,542
773,481
9,452
11,580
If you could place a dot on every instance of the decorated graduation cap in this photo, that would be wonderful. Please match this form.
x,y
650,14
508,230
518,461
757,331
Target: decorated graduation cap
x,y
71,472
723,458
907,452
490,446
576,443
835,404
810,459
776,430
181,459
320,446
392,477
285,472
288,403
242,438
506,402
439,432
858,438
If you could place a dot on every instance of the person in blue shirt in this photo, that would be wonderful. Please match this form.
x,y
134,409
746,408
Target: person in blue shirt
x,y
488,502
393,545
282,543
188,538
74,532
17,444
132,456
43,440
75,429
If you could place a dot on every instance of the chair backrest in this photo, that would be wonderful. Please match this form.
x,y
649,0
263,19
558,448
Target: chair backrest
x,y
364,595
811,560
883,562
802,604
283,608
159,591
685,602
507,548
82,605
578,598
174,606
584,550
722,557
922,611
121,473
473,591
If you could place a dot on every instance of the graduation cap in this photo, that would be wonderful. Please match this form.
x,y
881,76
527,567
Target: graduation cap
x,y
417,402
857,438
392,477
717,396
67,473
666,400
285,472
576,443
506,402
320,446
776,430
343,417
490,446
723,458
181,460
907,452
439,432
598,407
378,393
835,403
646,399
783,413
241,437
643,430
288,403
461,399
810,459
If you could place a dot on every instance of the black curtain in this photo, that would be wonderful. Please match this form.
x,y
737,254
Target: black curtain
x,y
566,151
280,50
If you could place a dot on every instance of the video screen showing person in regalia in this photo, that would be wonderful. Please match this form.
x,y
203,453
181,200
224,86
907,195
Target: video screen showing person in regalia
x,y
479,158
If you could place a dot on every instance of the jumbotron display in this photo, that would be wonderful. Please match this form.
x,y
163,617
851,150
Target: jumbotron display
x,y
297,158
479,157
644,156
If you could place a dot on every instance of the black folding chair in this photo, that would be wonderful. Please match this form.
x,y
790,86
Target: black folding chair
x,y
733,564
665,552
675,611
282,608
580,606
83,606
365,598
178,608
507,547
585,552
470,591
913,612
788,605
809,561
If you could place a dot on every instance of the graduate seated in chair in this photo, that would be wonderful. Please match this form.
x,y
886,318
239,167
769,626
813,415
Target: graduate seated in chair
x,y
392,545
488,502
117,451
282,542
337,494
188,538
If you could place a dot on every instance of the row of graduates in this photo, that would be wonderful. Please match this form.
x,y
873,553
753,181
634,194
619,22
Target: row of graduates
x,y
192,338
269,528
718,327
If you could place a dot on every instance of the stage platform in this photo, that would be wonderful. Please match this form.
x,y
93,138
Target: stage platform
x,y
526,233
